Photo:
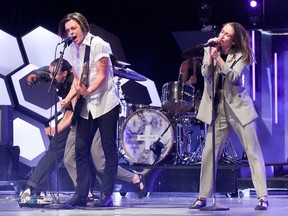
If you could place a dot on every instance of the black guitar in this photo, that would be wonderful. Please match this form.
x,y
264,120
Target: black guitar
x,y
79,98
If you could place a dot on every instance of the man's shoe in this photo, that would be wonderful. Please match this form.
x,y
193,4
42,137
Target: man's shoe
x,y
103,201
25,196
262,205
77,200
199,203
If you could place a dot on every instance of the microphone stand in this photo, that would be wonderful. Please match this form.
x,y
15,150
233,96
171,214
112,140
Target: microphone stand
x,y
57,204
213,207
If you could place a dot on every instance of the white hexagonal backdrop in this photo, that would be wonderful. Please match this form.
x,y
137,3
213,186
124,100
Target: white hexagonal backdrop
x,y
35,98
4,99
30,136
10,54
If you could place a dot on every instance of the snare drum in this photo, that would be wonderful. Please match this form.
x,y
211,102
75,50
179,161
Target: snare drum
x,y
177,97
140,132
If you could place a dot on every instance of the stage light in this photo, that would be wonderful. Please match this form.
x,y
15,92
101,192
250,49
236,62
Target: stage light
x,y
205,13
255,13
253,3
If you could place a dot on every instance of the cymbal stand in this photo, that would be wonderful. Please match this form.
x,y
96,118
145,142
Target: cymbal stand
x,y
118,127
183,137
196,155
120,120
179,142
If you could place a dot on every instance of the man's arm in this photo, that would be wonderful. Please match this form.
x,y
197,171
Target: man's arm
x,y
40,75
63,124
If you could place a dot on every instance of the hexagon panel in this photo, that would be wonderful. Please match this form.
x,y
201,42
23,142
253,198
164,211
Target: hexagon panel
x,y
35,98
4,99
30,136
150,86
40,45
10,54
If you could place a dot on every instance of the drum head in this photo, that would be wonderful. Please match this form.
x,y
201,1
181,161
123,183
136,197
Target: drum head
x,y
147,137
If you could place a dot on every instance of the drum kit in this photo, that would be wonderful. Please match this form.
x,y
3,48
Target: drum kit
x,y
161,135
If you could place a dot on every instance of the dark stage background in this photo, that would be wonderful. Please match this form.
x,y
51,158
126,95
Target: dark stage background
x,y
144,27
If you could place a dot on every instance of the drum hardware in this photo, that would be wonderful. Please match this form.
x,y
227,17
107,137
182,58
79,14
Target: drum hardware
x,y
228,155
180,153
188,94
183,132
188,155
157,146
195,156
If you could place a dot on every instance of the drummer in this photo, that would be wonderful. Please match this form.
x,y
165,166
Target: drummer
x,y
190,73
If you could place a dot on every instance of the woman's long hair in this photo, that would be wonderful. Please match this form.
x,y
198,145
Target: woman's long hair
x,y
242,42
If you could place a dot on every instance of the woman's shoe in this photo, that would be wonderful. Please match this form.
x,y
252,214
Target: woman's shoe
x,y
262,205
141,187
199,203
77,200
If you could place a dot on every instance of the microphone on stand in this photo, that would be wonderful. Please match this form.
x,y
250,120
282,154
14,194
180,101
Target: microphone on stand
x,y
67,39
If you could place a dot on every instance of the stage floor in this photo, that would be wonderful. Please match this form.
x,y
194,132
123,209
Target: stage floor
x,y
154,204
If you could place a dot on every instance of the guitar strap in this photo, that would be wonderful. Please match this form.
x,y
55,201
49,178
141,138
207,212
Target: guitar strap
x,y
86,59
79,102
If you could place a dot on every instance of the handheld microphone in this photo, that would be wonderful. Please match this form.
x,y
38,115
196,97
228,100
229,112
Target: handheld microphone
x,y
67,39
211,44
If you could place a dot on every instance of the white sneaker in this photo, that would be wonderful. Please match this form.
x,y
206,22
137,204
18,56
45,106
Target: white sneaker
x,y
25,196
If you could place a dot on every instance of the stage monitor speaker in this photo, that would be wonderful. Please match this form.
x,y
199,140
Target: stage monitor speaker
x,y
6,125
9,163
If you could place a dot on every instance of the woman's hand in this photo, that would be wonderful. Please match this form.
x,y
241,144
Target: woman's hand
x,y
214,52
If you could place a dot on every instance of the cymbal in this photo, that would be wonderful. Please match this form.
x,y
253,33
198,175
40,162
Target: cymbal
x,y
128,74
117,63
122,64
193,52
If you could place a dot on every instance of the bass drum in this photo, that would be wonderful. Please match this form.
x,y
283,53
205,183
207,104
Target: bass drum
x,y
147,137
